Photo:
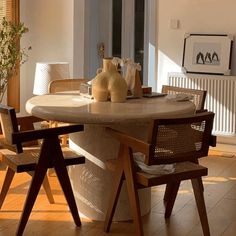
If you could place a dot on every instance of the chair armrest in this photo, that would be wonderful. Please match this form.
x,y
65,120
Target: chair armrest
x,y
201,111
134,143
27,123
30,135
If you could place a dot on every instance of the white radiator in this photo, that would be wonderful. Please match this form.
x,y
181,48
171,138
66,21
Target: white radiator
x,y
221,97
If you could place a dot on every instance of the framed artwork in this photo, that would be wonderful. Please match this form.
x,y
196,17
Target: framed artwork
x,y
207,53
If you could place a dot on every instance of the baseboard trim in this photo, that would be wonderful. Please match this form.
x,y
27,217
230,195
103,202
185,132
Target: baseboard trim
x,y
231,140
225,146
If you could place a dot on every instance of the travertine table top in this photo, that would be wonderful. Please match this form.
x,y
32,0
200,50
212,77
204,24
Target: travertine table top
x,y
73,108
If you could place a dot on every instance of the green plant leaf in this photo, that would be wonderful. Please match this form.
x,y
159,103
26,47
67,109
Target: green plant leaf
x,y
10,52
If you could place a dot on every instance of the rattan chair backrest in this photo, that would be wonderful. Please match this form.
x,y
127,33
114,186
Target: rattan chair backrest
x,y
9,125
180,139
199,96
62,85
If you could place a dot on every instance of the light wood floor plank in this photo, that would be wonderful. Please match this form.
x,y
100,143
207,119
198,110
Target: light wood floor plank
x,y
47,219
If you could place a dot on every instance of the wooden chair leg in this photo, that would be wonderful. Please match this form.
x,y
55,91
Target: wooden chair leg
x,y
46,186
37,180
172,189
118,180
169,187
48,190
129,171
6,185
199,197
47,157
64,180
200,180
167,192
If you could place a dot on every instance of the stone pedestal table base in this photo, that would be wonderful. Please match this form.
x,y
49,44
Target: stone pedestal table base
x,y
92,183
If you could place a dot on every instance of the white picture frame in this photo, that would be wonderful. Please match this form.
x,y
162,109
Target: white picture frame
x,y
207,53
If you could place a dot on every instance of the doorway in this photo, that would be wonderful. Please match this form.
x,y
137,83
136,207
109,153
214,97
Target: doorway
x,y
122,28
128,21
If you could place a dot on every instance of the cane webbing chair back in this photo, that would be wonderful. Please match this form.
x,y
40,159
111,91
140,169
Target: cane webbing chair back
x,y
9,125
199,96
62,85
175,140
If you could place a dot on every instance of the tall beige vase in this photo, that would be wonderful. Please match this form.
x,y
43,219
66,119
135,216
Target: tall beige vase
x,y
109,84
132,78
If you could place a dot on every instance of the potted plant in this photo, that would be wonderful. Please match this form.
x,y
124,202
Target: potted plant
x,y
11,55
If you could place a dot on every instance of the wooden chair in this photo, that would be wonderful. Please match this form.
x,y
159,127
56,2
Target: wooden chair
x,y
50,154
62,85
183,148
13,124
199,96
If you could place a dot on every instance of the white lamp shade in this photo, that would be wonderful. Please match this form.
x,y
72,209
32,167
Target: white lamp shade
x,y
46,72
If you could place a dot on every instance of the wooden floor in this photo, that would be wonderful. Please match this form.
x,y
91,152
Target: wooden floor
x,y
46,219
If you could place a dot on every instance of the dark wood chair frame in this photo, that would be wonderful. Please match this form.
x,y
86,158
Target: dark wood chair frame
x,y
50,156
185,168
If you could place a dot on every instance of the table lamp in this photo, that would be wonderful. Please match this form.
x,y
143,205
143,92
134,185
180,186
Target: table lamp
x,y
46,72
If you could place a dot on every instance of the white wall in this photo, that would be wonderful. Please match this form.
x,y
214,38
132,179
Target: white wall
x,y
195,16
50,24
59,31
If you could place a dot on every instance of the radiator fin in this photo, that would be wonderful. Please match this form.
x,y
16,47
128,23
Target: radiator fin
x,y
220,99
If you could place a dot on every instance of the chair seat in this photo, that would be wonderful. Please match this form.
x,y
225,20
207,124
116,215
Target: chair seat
x,y
27,160
182,171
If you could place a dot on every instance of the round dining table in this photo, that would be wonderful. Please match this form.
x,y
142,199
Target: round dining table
x,y
92,182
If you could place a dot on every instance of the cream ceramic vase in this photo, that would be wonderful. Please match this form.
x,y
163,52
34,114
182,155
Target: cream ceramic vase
x,y
133,81
109,83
